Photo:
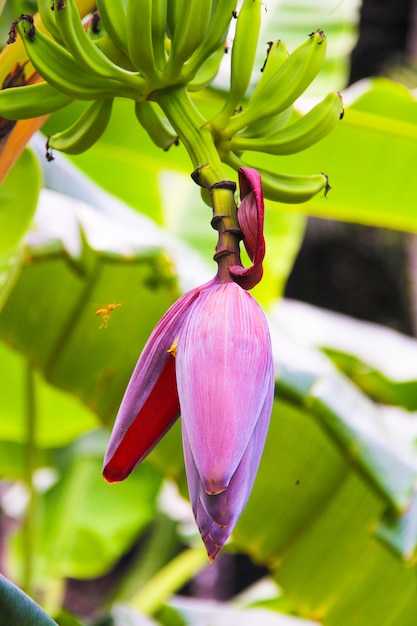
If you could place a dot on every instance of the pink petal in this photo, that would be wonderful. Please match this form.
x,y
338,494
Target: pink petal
x,y
216,515
223,365
150,405
251,221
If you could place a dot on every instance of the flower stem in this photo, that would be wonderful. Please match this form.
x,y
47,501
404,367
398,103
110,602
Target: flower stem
x,y
195,134
169,579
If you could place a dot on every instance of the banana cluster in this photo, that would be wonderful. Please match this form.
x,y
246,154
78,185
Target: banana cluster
x,y
150,50
267,123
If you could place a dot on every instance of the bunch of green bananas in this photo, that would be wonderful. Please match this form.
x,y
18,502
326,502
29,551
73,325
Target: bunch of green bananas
x,y
155,52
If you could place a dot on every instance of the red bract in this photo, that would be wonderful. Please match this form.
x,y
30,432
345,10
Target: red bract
x,y
210,359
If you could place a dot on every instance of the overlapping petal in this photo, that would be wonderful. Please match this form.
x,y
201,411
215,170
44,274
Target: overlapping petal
x,y
216,515
150,405
223,368
251,221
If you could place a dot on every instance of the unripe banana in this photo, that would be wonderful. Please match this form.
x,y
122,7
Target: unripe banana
x,y
267,126
48,19
85,131
159,29
243,57
59,69
276,56
207,72
158,128
192,22
83,50
286,188
221,13
286,84
300,135
113,15
139,36
292,188
174,8
19,103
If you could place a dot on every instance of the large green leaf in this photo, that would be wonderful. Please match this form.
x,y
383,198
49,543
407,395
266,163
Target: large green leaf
x,y
61,418
18,199
85,524
77,262
381,361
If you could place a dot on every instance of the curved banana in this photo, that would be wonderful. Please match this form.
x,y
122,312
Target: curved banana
x,y
82,48
276,55
17,103
85,131
192,20
292,188
299,135
113,15
159,28
48,20
174,8
158,128
215,37
59,69
243,57
286,188
139,36
267,126
286,84
207,72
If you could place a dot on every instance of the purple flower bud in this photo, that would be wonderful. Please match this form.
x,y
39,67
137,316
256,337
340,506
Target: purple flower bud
x,y
210,359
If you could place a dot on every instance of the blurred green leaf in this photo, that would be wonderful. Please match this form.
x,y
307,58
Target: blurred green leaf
x,y
77,262
74,417
87,524
381,361
18,199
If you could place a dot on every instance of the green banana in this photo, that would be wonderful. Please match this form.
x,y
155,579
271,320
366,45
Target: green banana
x,y
207,72
267,126
276,56
285,85
243,57
19,103
59,69
292,188
174,8
157,127
299,135
85,131
139,37
159,28
84,51
192,22
48,19
215,38
286,188
113,15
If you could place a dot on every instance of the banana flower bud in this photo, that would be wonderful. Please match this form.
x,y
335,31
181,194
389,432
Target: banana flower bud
x,y
210,360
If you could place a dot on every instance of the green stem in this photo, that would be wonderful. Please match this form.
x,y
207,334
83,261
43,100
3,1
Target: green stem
x,y
169,579
30,466
196,135
192,131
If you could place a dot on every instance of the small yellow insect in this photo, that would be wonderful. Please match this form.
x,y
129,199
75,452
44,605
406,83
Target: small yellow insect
x,y
105,311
